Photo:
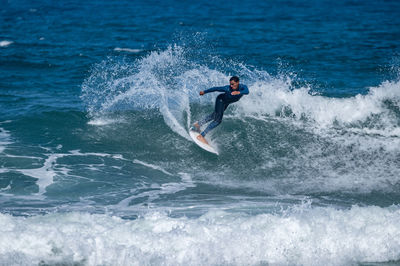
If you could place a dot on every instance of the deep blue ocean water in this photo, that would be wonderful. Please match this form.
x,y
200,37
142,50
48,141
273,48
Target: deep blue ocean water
x,y
97,167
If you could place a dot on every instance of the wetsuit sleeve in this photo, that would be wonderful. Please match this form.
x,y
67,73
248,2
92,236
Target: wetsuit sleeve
x,y
221,89
244,90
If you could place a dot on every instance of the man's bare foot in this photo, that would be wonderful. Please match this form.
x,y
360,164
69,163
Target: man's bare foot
x,y
202,139
196,127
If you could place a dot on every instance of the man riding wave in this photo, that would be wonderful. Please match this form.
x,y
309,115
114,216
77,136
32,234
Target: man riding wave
x,y
231,93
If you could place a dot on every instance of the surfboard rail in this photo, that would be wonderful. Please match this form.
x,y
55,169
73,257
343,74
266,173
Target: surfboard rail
x,y
207,147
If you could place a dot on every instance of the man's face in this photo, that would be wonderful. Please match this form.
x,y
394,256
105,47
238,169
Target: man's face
x,y
234,85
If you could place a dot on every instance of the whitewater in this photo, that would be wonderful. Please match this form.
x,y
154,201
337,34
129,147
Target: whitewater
x,y
299,236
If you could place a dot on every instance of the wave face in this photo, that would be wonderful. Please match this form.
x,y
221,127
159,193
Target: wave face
x,y
283,132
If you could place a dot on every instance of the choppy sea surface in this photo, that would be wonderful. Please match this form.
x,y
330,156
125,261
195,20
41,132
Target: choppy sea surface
x,y
97,167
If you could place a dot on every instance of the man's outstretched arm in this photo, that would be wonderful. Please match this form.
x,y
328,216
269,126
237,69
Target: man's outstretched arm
x,y
221,89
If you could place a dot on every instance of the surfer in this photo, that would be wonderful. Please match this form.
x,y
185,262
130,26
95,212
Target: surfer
x,y
231,93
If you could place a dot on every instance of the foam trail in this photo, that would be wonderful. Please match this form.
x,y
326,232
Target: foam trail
x,y
172,117
152,166
302,236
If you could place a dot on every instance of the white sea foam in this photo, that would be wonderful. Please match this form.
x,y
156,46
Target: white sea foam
x,y
158,190
152,166
4,139
101,121
44,174
277,96
5,43
5,188
306,236
129,50
48,171
364,123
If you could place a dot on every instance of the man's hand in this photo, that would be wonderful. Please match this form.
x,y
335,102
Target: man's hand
x,y
235,92
202,93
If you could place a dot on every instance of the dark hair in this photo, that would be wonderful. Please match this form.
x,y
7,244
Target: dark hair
x,y
234,78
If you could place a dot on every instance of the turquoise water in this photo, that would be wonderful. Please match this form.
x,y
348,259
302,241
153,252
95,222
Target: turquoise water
x,y
97,167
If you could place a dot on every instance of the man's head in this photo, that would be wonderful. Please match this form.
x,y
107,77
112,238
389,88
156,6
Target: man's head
x,y
234,82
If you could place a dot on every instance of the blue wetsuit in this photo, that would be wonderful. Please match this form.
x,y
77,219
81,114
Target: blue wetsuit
x,y
221,103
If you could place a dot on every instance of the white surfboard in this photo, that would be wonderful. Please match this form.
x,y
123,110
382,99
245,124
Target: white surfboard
x,y
207,147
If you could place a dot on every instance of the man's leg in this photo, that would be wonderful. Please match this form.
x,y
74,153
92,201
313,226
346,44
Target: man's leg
x,y
217,115
196,126
211,126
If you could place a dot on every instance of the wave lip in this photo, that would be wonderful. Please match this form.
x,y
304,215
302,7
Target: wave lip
x,y
300,236
277,97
